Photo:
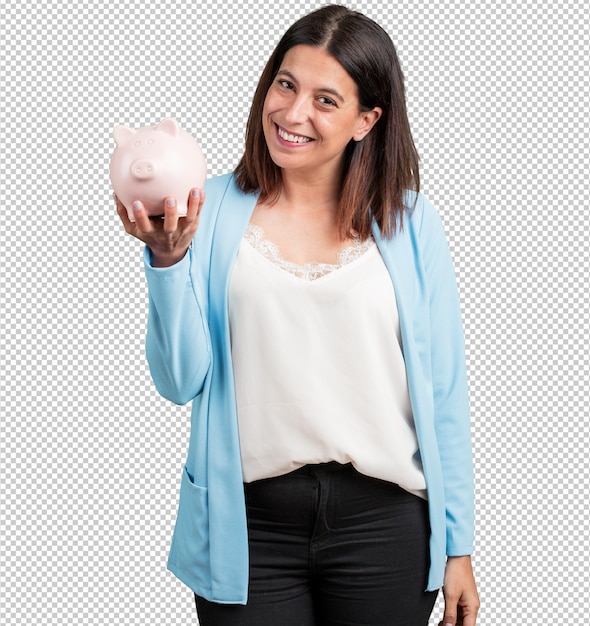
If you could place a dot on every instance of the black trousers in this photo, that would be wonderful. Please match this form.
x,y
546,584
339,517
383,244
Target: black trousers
x,y
331,547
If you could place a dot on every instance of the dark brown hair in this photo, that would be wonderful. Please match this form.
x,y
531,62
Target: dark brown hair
x,y
379,168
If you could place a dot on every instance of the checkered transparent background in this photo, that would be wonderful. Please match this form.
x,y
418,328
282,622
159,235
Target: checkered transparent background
x,y
90,455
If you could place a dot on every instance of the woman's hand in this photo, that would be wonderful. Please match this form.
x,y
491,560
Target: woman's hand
x,y
168,238
460,592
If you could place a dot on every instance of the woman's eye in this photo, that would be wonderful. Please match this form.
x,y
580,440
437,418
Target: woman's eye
x,y
285,83
328,101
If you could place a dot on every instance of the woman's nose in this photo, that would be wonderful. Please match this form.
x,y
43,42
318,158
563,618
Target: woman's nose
x,y
298,110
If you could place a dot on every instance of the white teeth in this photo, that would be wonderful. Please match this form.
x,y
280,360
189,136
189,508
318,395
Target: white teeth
x,y
292,138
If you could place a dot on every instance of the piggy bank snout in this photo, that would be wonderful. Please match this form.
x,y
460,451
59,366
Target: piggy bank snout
x,y
143,169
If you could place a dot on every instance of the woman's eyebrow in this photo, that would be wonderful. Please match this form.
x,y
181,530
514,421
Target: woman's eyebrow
x,y
329,90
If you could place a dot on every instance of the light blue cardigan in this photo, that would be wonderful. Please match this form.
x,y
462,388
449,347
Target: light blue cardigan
x,y
188,350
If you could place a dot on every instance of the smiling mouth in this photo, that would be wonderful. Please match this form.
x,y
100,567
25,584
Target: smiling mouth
x,y
287,136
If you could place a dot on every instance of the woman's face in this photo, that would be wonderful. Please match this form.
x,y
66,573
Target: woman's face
x,y
311,112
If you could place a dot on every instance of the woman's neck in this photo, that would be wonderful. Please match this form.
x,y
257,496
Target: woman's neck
x,y
303,195
303,221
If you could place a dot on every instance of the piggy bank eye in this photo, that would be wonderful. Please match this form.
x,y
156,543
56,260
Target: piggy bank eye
x,y
137,144
150,142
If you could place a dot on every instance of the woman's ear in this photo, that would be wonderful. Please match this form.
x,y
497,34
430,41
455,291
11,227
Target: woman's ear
x,y
368,119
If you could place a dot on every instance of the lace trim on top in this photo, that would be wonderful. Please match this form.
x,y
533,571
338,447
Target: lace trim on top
x,y
254,235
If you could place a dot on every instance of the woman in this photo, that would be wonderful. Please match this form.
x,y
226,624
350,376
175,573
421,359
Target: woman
x,y
310,314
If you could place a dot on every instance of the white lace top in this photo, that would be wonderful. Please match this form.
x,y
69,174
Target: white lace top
x,y
318,366
310,271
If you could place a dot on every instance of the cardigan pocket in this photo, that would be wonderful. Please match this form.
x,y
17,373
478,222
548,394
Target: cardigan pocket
x,y
189,551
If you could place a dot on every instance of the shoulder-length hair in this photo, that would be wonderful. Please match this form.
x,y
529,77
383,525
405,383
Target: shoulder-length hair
x,y
384,164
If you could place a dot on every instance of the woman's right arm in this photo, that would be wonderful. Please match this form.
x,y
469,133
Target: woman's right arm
x,y
177,342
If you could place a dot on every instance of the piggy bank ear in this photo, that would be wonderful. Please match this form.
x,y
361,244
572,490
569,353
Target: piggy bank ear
x,y
169,126
122,134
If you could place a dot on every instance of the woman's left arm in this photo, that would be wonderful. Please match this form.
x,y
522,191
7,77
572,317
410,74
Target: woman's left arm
x,y
452,417
452,420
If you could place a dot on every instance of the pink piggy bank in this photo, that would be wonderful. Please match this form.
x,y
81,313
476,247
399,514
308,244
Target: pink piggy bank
x,y
151,163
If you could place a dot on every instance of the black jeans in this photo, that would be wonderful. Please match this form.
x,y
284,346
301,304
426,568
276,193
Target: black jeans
x,y
331,547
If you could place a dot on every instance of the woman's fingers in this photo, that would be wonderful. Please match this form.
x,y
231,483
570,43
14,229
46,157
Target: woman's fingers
x,y
190,223
168,238
170,215
196,199
143,224
132,227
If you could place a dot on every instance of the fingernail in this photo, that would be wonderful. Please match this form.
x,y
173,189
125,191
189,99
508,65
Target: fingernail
x,y
170,201
137,205
195,193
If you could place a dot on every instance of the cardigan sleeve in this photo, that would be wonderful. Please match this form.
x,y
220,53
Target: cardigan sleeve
x,y
449,381
177,341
